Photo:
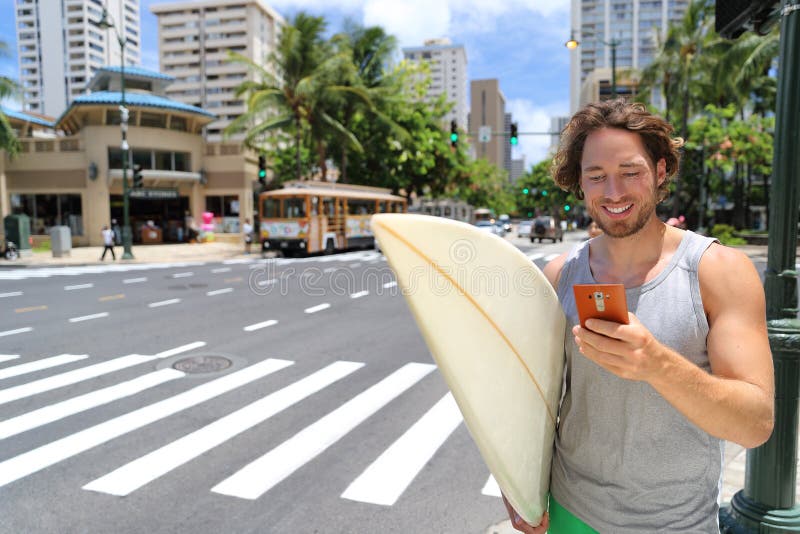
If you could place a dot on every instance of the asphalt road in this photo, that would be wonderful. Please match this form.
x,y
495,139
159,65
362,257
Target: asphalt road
x,y
117,413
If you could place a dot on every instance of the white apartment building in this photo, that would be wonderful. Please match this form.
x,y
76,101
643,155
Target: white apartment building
x,y
448,72
630,23
60,50
194,38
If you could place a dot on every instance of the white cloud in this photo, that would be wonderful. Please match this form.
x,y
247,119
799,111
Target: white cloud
x,y
532,118
411,21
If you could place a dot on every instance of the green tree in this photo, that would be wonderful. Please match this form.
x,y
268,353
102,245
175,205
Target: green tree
x,y
297,93
542,196
8,88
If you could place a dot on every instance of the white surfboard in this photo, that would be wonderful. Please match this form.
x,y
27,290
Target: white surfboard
x,y
496,331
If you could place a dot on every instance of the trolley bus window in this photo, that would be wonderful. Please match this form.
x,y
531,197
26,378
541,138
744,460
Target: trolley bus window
x,y
397,207
271,208
360,207
295,207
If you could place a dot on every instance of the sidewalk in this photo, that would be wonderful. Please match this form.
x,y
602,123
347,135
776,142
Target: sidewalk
x,y
182,252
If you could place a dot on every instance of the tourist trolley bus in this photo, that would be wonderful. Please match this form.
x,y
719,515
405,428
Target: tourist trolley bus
x,y
306,217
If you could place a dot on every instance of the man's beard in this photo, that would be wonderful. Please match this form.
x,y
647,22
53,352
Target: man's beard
x,y
626,227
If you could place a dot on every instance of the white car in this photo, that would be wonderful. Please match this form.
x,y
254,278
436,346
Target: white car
x,y
491,228
524,228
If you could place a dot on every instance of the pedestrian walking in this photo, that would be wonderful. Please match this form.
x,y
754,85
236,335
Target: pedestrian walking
x,y
108,243
247,234
648,405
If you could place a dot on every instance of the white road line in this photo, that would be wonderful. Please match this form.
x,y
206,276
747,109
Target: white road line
x,y
8,357
135,280
551,257
135,474
315,309
51,453
535,256
12,294
163,303
182,275
38,365
71,377
387,285
17,331
88,317
79,286
491,488
219,291
259,476
259,326
388,477
81,403
181,349
221,270
359,294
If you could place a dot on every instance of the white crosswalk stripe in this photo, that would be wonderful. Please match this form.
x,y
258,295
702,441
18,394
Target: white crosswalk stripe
x,y
147,468
56,451
383,482
259,476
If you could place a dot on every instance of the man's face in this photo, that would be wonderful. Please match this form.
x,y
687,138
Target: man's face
x,y
619,181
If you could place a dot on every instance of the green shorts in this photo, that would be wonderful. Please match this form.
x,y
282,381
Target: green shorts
x,y
563,522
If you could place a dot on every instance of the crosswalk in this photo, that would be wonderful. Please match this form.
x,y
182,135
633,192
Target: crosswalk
x,y
382,483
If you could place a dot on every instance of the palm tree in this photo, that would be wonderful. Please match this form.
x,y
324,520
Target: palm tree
x,y
299,94
8,138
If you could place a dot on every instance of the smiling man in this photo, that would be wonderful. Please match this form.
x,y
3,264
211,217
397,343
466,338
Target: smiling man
x,y
647,406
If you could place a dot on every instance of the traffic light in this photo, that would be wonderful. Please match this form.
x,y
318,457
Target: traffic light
x,y
544,192
567,207
138,180
514,138
262,169
453,133
525,191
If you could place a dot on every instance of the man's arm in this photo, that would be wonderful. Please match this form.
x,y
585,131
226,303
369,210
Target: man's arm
x,y
736,401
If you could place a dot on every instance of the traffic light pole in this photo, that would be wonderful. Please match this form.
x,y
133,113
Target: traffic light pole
x,y
767,503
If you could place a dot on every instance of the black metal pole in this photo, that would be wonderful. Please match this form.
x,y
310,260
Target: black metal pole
x,y
127,235
767,503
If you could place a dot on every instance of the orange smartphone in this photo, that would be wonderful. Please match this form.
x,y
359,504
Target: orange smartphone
x,y
601,301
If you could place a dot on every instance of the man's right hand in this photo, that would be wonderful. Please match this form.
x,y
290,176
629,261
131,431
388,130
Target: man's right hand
x,y
519,524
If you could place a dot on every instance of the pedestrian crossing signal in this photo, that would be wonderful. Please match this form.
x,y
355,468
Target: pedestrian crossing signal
x,y
514,137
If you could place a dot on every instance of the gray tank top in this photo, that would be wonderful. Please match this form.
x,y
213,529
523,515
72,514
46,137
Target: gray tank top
x,y
625,460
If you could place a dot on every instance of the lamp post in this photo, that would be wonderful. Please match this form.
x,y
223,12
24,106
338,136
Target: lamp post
x,y
106,22
613,44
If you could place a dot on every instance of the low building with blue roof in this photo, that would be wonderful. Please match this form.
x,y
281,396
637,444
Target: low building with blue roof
x,y
69,172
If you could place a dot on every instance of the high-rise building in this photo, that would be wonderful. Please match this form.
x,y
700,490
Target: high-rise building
x,y
557,124
630,24
194,39
488,108
448,72
60,50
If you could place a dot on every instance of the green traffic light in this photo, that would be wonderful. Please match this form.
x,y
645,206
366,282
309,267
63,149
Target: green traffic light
x,y
453,137
567,207
544,193
262,173
514,140
525,191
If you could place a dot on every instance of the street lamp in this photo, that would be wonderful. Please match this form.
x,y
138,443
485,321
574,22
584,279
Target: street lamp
x,y
573,43
106,22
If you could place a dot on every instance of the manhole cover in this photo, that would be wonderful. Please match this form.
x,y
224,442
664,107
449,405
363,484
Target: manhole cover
x,y
202,364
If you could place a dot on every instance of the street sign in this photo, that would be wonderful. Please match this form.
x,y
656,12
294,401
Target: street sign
x,y
485,134
154,194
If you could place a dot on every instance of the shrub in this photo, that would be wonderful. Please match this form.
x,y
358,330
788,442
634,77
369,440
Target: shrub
x,y
724,232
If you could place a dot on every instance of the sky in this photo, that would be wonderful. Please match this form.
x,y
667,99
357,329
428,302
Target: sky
x,y
519,42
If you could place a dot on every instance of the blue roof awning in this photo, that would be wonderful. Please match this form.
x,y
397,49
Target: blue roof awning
x,y
136,99
21,115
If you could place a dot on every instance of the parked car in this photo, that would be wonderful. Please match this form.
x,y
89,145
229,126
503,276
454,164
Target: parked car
x,y
546,227
505,220
491,227
524,228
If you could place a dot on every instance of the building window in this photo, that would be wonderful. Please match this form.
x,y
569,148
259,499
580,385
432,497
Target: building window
x,y
226,212
47,211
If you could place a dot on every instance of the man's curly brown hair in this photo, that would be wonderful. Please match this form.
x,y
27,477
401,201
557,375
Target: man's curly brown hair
x,y
654,131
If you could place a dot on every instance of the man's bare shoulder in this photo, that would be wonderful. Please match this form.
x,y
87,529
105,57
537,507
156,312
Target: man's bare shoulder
x,y
727,276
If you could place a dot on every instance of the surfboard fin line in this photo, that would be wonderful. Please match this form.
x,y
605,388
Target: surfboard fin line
x,y
478,307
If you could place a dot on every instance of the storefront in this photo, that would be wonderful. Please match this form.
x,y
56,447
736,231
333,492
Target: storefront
x,y
70,169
